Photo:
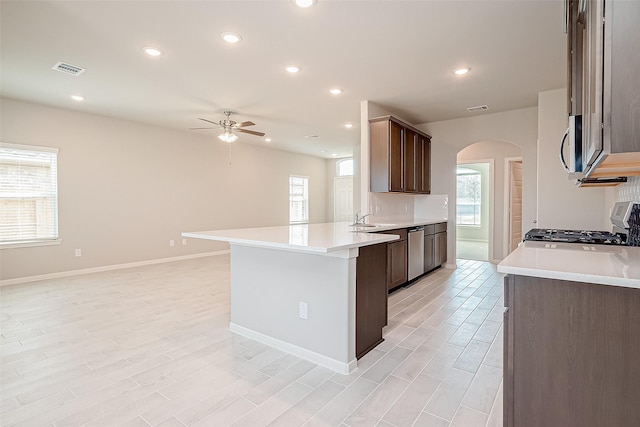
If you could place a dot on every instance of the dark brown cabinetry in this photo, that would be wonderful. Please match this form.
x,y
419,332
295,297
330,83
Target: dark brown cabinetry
x,y
397,261
400,157
423,164
435,245
441,244
371,296
410,160
572,353
429,248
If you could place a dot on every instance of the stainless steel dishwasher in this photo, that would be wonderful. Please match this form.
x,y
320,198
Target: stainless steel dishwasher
x,y
416,252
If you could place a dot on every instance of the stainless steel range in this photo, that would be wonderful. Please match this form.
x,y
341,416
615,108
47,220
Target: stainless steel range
x,y
625,218
575,236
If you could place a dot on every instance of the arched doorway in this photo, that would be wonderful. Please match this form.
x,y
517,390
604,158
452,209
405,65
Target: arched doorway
x,y
484,220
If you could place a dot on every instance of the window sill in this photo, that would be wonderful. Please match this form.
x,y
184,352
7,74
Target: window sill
x,y
29,244
468,226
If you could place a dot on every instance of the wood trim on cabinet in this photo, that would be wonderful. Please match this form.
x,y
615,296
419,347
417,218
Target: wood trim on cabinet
x,y
371,297
572,353
410,160
508,341
399,157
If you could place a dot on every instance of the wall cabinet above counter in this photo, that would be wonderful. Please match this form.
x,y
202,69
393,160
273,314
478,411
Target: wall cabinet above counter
x,y
400,157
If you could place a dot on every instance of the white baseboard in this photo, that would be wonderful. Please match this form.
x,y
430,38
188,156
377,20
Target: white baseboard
x,y
328,362
69,273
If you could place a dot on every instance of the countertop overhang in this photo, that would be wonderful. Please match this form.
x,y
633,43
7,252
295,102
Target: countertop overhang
x,y
601,264
314,238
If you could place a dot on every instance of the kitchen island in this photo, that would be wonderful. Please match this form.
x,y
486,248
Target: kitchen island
x,y
571,335
294,287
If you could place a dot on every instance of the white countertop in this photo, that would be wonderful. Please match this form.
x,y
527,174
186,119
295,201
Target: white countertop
x,y
318,238
404,224
600,264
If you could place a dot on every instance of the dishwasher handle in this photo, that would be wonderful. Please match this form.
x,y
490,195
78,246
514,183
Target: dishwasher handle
x,y
414,229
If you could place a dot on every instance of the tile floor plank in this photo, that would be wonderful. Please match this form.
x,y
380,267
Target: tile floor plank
x,y
150,346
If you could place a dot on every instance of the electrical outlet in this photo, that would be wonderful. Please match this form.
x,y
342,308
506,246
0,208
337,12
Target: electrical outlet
x,y
172,243
184,242
304,310
78,252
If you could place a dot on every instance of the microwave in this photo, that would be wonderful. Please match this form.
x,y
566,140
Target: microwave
x,y
602,143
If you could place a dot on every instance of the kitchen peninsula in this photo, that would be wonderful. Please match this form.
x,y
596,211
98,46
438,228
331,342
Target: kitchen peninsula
x,y
571,335
294,287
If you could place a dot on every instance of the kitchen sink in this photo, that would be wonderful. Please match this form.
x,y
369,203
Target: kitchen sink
x,y
371,225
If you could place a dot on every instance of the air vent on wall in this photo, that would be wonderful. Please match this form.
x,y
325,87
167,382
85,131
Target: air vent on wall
x,y
68,68
477,108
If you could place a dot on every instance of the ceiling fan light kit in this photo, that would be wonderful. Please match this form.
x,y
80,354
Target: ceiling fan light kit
x,y
229,126
228,136
304,3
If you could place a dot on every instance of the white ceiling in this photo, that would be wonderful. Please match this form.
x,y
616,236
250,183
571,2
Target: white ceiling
x,y
399,54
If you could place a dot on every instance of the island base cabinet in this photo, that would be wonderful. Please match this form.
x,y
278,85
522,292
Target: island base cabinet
x,y
572,354
397,259
371,297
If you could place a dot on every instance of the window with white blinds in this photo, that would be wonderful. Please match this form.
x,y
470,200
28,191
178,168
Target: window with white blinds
x,y
28,193
298,199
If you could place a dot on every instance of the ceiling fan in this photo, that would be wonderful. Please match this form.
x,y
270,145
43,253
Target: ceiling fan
x,y
229,126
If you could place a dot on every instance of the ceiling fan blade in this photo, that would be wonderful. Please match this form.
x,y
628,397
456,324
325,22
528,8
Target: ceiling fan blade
x,y
218,127
208,121
252,132
244,124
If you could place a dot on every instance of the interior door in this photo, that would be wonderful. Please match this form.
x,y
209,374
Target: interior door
x,y
343,198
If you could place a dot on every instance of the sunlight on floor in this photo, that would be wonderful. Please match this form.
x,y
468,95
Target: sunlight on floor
x,y
472,250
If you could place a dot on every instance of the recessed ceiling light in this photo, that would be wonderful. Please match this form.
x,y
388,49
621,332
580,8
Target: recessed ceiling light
x,y
304,3
267,139
323,151
461,71
334,155
348,125
231,37
293,69
335,91
77,98
152,51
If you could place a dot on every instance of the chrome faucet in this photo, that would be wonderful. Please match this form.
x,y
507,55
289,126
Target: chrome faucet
x,y
359,219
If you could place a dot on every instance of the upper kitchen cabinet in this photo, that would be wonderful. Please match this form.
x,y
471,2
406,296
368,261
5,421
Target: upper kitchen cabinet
x,y
400,157
604,93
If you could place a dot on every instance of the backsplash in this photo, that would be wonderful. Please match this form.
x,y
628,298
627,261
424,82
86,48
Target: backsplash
x,y
629,191
391,208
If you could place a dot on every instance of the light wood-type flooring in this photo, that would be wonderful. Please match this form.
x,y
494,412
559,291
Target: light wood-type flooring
x,y
151,346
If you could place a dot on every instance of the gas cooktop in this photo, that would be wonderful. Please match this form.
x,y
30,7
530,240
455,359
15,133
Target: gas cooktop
x,y
575,236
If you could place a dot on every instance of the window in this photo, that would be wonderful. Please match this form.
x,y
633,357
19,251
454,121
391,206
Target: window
x,y
298,199
468,208
28,194
345,167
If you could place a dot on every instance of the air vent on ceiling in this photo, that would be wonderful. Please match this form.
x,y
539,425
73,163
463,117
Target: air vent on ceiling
x,y
68,68
477,108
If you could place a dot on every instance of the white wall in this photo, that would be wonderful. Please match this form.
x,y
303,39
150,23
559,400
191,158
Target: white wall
x,y
498,151
560,203
126,189
518,127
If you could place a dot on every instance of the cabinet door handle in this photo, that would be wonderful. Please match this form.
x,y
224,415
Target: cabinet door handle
x,y
564,139
566,16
